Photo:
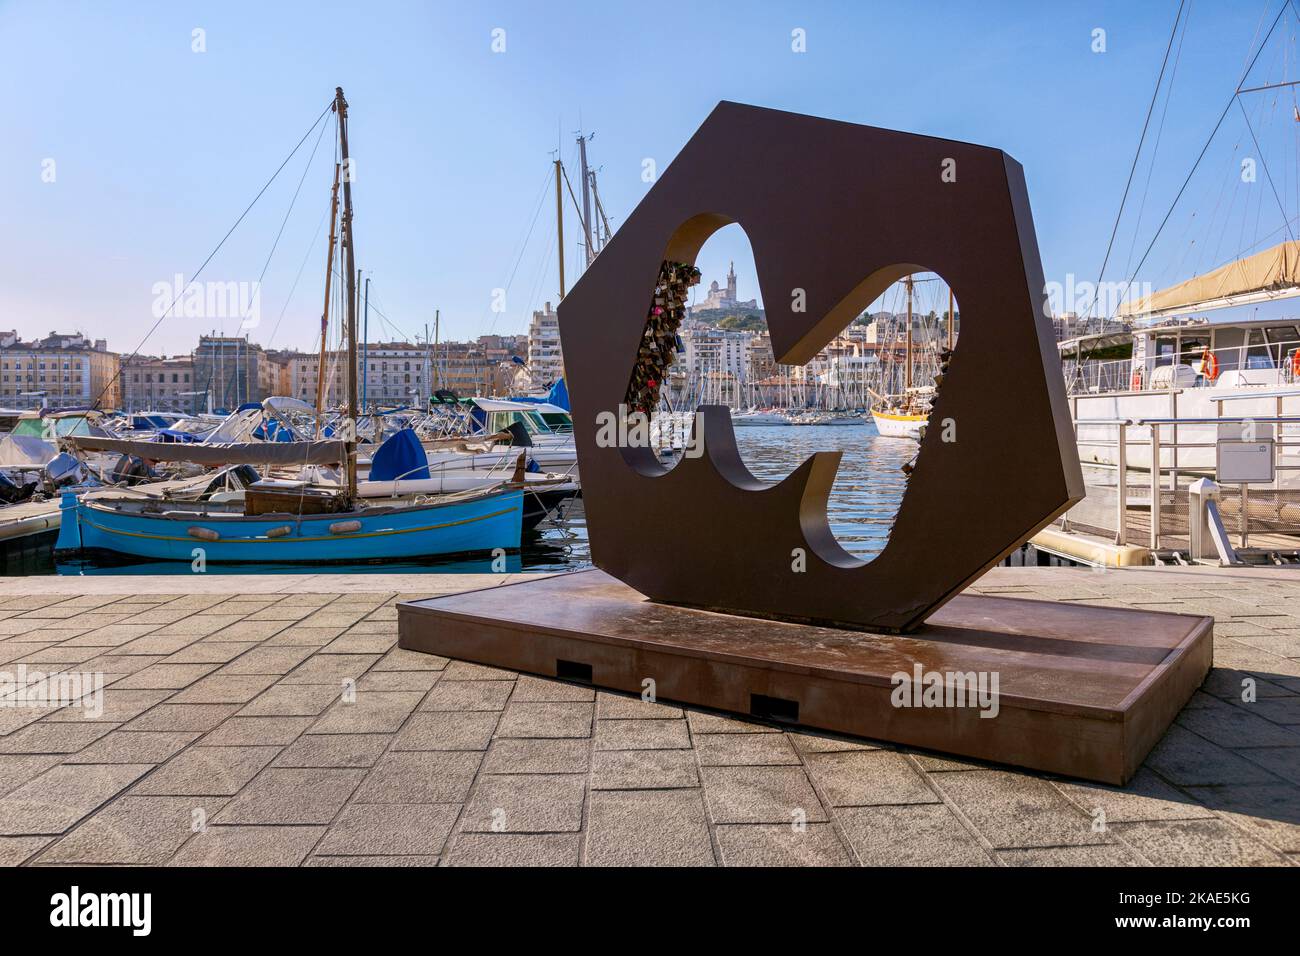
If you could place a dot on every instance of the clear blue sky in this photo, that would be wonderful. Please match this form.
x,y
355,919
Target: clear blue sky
x,y
158,148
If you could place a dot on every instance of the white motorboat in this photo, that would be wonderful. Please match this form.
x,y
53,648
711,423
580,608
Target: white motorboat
x,y
755,417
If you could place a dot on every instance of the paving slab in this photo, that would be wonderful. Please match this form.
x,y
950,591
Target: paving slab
x,y
390,829
816,844
292,796
421,776
528,803
462,695
207,771
916,835
760,795
648,828
644,770
58,798
1016,810
515,849
249,846
133,831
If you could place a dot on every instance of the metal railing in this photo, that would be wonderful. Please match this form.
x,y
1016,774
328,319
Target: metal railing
x,y
1156,510
1111,375
1090,377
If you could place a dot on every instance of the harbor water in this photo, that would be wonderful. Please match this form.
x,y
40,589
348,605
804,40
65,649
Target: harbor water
x,y
863,502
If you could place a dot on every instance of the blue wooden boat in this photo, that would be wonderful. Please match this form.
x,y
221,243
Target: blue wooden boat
x,y
220,531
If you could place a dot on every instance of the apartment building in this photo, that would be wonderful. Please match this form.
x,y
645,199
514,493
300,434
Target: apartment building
x,y
158,384
233,370
545,359
59,371
389,374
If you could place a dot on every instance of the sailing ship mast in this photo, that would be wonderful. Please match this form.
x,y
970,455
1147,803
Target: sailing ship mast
x,y
907,369
586,201
951,319
325,313
559,222
342,106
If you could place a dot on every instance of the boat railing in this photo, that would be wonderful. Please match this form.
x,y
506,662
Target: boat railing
x,y
1116,375
1091,377
1142,475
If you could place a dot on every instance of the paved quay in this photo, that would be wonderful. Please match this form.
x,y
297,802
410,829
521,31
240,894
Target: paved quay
x,y
271,719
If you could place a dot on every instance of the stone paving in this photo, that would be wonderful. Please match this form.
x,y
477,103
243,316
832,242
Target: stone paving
x,y
269,720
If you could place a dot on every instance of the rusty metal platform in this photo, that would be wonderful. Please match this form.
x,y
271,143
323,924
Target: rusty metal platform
x,y
1082,691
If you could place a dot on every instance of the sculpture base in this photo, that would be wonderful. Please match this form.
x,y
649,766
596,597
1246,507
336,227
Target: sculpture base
x,y
1063,688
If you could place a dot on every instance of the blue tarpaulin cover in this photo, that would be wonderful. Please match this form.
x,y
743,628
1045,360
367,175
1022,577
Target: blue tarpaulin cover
x,y
400,456
271,430
559,395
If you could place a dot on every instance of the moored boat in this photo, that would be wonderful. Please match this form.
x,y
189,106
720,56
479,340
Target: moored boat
x,y
898,423
147,528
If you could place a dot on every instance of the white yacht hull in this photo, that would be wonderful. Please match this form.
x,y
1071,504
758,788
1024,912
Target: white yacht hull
x,y
891,425
1097,434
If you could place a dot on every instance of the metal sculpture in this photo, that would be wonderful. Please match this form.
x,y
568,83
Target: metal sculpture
x,y
835,213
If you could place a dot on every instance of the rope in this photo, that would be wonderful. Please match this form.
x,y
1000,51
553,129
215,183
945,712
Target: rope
x,y
198,272
1200,156
1146,124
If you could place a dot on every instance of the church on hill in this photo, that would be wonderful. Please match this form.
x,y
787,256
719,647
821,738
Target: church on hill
x,y
718,298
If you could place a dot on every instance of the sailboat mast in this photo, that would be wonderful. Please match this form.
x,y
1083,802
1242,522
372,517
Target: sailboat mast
x,y
365,341
325,313
907,372
559,222
350,246
950,319
586,201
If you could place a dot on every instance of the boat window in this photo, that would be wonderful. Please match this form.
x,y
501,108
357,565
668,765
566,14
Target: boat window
x,y
1166,349
1284,339
537,424
1227,347
500,421
1193,347
1258,354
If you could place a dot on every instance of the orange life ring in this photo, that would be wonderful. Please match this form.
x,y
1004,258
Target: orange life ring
x,y
1135,383
1210,365
1295,364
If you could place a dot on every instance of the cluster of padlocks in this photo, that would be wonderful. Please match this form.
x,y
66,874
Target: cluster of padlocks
x,y
945,357
660,342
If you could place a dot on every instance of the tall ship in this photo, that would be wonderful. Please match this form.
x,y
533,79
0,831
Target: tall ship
x,y
902,413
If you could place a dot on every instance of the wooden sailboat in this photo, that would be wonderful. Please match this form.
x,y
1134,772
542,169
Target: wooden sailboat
x,y
276,520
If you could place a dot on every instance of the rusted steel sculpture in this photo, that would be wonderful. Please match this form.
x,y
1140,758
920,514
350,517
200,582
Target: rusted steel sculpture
x,y
835,213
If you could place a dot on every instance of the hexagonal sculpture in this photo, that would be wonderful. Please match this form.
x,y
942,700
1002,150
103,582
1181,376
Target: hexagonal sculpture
x,y
835,213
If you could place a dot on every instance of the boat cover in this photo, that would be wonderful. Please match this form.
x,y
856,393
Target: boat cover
x,y
202,453
400,456
25,451
1271,274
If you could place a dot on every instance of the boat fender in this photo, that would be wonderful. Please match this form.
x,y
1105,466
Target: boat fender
x,y
345,527
279,532
203,534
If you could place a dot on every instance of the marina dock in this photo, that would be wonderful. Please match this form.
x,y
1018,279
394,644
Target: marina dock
x,y
271,719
